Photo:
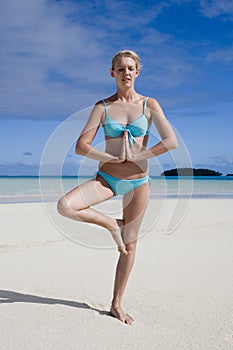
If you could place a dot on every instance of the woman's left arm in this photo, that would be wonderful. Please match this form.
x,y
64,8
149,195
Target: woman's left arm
x,y
167,134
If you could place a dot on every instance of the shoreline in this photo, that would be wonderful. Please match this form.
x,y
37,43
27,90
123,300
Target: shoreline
x,y
31,189
53,198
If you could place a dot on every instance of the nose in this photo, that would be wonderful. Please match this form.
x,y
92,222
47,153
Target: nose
x,y
127,71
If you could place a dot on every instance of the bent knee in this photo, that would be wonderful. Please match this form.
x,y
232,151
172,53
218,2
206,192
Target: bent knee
x,y
63,206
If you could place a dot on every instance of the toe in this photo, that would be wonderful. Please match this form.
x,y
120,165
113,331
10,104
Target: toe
x,y
121,315
128,319
122,250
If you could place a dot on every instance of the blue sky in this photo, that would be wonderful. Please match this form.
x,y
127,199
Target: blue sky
x,y
55,59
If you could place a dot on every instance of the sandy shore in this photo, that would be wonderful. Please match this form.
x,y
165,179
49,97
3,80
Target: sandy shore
x,y
55,294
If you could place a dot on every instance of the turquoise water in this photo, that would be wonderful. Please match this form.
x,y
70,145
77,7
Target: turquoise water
x,y
29,189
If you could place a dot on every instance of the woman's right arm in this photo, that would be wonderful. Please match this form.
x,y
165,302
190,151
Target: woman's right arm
x,y
83,145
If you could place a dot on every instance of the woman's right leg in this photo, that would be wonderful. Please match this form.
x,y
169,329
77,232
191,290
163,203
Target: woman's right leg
x,y
76,205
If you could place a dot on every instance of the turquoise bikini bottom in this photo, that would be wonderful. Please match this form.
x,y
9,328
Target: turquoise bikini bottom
x,y
121,186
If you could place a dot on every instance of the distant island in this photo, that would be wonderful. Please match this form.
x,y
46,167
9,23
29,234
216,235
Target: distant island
x,y
191,172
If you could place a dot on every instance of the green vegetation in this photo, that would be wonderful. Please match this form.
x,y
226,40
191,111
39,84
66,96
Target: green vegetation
x,y
190,172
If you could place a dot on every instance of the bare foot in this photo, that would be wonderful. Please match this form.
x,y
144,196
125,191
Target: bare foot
x,y
116,234
121,315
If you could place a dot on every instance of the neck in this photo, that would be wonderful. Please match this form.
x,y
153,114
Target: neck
x,y
127,95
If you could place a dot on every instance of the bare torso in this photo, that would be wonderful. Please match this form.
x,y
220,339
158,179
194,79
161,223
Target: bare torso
x,y
125,113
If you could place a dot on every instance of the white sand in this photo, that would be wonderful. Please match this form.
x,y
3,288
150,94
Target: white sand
x,y
55,294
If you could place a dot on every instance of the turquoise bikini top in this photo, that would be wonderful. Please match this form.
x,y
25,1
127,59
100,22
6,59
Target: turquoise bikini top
x,y
138,128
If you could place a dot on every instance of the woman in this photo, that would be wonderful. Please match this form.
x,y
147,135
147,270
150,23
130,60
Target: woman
x,y
126,118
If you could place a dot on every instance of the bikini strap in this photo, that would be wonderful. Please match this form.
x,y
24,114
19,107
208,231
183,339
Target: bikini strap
x,y
105,107
105,104
144,105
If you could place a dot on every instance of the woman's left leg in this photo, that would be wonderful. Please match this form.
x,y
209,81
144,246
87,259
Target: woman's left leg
x,y
134,206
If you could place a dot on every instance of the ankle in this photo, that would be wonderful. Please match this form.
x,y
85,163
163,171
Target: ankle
x,y
113,226
116,303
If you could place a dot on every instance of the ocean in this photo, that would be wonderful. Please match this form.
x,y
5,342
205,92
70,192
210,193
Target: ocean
x,y
34,189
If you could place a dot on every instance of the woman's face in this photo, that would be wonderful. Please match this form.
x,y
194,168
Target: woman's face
x,y
125,71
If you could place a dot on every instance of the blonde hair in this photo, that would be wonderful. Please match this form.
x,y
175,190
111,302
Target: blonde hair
x,y
127,53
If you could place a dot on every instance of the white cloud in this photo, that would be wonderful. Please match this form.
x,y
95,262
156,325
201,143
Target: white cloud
x,y
224,56
221,163
74,167
168,60
19,168
39,45
215,8
116,15
55,54
223,160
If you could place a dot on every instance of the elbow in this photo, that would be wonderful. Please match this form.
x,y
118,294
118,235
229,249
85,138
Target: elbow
x,y
174,144
80,148
171,143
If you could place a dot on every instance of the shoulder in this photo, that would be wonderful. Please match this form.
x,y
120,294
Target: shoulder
x,y
98,112
153,104
155,109
99,104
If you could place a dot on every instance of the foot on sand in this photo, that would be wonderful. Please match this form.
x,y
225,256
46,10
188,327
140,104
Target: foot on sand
x,y
116,234
121,315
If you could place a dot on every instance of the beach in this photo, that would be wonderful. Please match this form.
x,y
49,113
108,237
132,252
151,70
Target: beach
x,y
56,294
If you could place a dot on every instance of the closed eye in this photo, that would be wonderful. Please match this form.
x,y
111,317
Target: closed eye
x,y
123,69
